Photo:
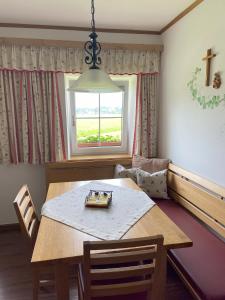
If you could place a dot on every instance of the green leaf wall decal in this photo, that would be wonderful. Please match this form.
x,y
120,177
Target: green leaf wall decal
x,y
205,102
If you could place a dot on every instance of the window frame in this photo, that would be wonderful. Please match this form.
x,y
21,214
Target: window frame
x,y
123,148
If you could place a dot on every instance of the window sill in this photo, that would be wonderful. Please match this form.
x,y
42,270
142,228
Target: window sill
x,y
100,157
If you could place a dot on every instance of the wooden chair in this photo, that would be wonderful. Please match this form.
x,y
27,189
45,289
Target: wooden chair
x,y
125,268
27,216
29,224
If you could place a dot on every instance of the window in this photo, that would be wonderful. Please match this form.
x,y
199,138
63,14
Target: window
x,y
98,123
98,119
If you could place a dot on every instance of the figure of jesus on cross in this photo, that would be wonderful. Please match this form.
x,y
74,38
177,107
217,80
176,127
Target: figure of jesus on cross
x,y
208,58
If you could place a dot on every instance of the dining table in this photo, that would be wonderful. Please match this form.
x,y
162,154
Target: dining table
x,y
62,246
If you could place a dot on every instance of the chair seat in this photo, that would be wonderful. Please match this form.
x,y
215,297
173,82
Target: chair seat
x,y
203,263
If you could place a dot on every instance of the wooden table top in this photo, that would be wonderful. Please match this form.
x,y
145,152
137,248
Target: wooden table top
x,y
57,241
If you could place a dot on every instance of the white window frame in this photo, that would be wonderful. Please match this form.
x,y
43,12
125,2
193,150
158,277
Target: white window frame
x,y
123,148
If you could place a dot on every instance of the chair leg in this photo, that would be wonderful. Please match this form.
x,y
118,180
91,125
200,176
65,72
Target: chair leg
x,y
62,283
159,286
35,284
79,287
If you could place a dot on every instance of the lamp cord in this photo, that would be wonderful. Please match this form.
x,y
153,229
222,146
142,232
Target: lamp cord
x,y
93,15
92,47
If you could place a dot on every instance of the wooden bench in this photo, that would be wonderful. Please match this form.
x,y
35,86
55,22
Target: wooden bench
x,y
197,206
85,168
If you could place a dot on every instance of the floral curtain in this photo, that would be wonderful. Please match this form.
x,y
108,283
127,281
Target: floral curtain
x,y
145,135
31,126
114,61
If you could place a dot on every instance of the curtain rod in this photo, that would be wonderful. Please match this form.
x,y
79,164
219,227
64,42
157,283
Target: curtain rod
x,y
76,44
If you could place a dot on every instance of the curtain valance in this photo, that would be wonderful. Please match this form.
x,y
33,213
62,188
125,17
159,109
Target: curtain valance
x,y
114,61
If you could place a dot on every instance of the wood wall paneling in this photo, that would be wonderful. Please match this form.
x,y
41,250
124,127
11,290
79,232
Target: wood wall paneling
x,y
85,168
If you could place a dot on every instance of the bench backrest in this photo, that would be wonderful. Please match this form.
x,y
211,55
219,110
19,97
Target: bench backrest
x,y
204,199
88,168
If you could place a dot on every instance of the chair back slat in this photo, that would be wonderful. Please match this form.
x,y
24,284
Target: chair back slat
x,y
24,204
26,214
33,228
29,216
124,267
121,288
122,257
128,243
112,273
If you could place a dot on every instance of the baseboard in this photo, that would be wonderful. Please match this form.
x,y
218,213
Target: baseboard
x,y
9,227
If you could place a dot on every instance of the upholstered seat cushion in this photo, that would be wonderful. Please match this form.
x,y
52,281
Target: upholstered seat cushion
x,y
204,262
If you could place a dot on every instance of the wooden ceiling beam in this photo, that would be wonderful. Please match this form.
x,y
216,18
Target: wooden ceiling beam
x,y
74,28
181,15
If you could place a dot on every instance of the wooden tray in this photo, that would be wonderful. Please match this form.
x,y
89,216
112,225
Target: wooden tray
x,y
98,198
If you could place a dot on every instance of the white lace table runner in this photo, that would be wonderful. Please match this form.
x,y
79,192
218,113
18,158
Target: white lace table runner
x,y
126,208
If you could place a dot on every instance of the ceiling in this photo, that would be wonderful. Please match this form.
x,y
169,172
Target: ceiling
x,y
110,14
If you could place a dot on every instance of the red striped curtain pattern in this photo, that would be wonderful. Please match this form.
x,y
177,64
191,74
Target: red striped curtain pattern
x,y
145,133
31,125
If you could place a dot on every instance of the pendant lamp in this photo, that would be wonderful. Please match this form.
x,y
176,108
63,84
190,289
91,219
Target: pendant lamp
x,y
94,80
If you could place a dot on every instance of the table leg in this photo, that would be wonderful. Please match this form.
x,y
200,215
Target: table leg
x,y
62,281
35,275
159,290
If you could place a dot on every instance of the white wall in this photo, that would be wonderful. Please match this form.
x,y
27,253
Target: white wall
x,y
12,177
192,137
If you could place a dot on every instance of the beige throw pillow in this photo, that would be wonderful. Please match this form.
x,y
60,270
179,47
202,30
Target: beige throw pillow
x,y
150,165
153,184
121,172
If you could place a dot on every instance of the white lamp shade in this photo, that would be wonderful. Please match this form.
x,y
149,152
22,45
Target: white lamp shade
x,y
94,81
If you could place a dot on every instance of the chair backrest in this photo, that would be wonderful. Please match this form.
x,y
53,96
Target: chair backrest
x,y
26,214
124,267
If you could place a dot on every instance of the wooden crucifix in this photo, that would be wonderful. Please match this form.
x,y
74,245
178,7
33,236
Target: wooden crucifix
x,y
208,58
